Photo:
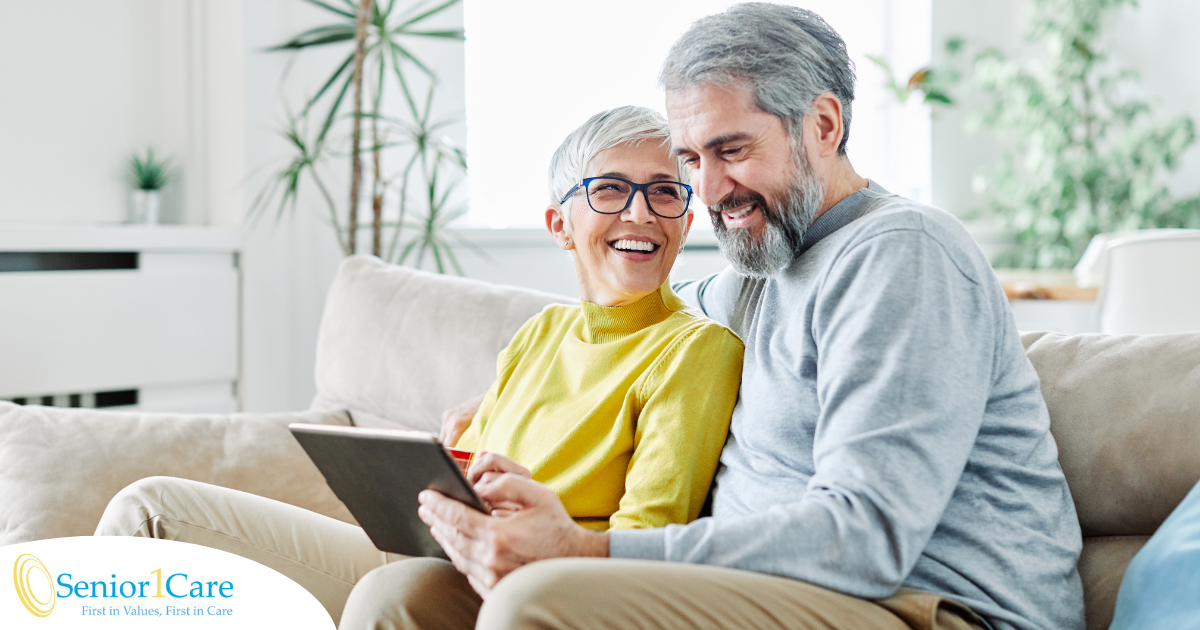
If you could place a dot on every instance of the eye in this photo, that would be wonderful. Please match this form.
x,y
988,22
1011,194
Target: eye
x,y
729,153
666,190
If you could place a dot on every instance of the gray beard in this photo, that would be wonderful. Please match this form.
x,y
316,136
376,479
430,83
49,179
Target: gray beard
x,y
786,223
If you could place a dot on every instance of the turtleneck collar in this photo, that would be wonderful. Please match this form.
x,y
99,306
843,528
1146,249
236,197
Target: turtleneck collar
x,y
602,324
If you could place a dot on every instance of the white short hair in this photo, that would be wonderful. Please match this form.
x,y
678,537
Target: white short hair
x,y
622,125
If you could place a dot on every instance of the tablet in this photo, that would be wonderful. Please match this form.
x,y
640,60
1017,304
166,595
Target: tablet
x,y
378,474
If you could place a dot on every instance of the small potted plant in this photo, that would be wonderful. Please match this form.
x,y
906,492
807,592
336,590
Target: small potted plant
x,y
147,176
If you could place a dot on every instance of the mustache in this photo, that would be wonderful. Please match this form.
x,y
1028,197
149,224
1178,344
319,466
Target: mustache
x,y
732,203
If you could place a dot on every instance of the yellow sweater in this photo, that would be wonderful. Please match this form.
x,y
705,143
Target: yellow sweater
x,y
623,411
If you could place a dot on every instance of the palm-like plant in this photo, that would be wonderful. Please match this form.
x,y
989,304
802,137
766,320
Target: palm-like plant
x,y
433,232
380,32
285,184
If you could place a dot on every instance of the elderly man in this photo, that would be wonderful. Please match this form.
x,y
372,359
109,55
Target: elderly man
x,y
889,464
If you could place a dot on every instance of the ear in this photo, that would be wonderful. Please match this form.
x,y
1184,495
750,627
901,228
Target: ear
x,y
824,122
687,227
558,229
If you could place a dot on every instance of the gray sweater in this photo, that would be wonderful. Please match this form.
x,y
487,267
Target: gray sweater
x,y
890,430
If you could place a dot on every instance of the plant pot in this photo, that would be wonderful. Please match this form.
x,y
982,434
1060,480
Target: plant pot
x,y
144,206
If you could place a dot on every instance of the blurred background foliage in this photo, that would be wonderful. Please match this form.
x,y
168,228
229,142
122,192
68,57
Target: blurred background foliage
x,y
1083,151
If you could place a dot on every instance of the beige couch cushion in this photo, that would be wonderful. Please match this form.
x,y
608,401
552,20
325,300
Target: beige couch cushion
x,y
398,346
59,467
1101,567
1125,411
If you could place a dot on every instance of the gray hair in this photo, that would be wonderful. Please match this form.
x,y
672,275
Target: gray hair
x,y
789,56
629,124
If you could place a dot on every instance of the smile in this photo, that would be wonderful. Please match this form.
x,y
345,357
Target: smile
x,y
629,245
739,217
741,212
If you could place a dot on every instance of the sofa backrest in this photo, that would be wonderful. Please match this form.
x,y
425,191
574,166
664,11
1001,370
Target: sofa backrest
x,y
398,346
1125,411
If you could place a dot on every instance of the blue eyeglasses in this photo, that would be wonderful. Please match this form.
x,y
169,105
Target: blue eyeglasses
x,y
614,195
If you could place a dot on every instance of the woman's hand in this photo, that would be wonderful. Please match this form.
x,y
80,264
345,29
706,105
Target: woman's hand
x,y
456,419
489,466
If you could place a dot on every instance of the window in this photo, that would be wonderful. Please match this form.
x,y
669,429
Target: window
x,y
535,68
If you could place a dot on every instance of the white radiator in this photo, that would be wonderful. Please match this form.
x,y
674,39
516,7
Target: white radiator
x,y
136,317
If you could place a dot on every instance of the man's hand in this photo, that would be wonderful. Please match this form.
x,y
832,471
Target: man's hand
x,y
456,419
532,526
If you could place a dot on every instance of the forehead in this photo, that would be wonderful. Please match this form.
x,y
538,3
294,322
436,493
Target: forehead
x,y
649,159
704,114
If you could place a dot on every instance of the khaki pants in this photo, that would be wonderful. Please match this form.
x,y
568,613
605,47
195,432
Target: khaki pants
x,y
364,588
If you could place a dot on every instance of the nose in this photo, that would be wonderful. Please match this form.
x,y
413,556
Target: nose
x,y
711,181
639,209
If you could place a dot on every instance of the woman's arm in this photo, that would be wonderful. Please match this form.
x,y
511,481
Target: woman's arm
x,y
689,395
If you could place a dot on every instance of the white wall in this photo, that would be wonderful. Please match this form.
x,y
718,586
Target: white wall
x,y
290,263
79,96
1156,38
88,84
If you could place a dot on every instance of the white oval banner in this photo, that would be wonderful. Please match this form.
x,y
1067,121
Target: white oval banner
x,y
120,582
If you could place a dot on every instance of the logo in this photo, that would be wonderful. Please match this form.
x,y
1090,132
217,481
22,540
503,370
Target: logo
x,y
130,583
27,565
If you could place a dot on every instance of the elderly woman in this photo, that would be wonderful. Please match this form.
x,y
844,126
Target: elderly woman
x,y
621,405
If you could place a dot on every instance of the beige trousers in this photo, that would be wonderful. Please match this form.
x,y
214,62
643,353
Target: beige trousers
x,y
364,588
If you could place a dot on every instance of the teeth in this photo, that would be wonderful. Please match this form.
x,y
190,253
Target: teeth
x,y
637,246
740,213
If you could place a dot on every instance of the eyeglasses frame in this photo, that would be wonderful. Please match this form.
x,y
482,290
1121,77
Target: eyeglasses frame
x,y
687,203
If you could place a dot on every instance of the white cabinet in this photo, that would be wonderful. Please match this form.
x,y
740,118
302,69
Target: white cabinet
x,y
143,317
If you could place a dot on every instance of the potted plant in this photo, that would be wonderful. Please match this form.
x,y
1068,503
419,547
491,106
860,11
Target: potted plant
x,y
1082,154
373,37
147,176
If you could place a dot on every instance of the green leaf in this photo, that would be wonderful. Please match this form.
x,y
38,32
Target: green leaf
x,y
149,173
458,34
431,12
343,12
333,110
319,36
403,52
934,96
332,79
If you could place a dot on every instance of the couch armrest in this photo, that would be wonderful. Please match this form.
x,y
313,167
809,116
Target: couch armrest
x,y
60,467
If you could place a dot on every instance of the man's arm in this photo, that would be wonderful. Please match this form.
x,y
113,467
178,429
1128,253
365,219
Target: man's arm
x,y
905,351
456,419
714,295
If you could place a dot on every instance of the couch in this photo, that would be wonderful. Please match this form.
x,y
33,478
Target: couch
x,y
398,346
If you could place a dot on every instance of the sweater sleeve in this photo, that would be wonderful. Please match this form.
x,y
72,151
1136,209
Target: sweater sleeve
x,y
712,295
689,396
905,355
